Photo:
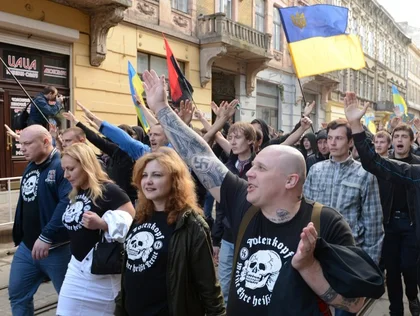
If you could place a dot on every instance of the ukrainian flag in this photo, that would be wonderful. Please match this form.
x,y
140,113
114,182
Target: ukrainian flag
x,y
136,88
317,39
399,100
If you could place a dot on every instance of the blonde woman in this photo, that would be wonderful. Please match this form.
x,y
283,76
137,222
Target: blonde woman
x,y
96,204
169,268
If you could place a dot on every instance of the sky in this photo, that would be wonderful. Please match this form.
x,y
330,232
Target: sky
x,y
403,10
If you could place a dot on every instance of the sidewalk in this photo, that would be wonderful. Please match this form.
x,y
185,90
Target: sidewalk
x,y
44,297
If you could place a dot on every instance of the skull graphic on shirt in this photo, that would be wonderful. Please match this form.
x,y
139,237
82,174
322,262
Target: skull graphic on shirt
x,y
29,187
73,212
261,269
140,245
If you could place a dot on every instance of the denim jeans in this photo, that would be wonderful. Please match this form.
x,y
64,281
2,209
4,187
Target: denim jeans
x,y
27,274
225,267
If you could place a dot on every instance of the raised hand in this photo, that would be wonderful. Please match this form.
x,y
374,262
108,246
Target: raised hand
x,y
305,123
304,256
351,108
395,121
91,123
215,108
308,108
70,117
10,132
198,114
227,110
88,113
155,89
186,111
416,123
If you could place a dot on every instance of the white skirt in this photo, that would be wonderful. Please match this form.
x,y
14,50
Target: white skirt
x,y
84,293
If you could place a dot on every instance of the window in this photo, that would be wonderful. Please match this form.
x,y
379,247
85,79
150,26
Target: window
x,y
362,38
181,5
276,29
343,82
381,51
268,102
353,81
259,15
370,88
381,91
158,64
391,59
371,43
226,7
362,85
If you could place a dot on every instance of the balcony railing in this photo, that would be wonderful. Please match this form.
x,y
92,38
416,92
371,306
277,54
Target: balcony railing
x,y
218,26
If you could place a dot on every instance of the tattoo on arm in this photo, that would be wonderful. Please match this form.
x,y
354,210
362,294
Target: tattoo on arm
x,y
193,149
344,304
329,295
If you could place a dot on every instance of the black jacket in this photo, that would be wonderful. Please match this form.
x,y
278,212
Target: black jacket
x,y
280,139
193,289
313,159
120,165
221,227
386,189
397,172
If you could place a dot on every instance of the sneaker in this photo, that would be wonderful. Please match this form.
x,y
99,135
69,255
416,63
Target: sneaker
x,y
414,306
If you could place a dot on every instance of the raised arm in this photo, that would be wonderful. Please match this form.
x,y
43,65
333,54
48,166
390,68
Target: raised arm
x,y
386,169
189,145
150,118
134,148
305,124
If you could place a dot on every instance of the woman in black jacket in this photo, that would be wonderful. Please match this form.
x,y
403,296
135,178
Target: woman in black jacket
x,y
168,268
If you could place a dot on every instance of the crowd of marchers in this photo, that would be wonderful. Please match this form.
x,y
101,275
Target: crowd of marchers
x,y
226,219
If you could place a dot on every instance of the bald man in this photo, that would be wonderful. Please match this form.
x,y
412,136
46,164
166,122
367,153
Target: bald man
x,y
279,235
42,240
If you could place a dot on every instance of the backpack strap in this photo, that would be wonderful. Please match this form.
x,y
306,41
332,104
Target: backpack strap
x,y
316,216
316,220
250,213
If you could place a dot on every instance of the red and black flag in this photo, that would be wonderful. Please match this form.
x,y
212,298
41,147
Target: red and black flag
x,y
181,89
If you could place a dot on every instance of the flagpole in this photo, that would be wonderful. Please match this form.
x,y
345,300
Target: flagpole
x,y
304,100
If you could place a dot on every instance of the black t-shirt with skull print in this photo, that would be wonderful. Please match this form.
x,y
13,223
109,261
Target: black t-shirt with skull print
x,y
266,247
30,215
146,247
82,239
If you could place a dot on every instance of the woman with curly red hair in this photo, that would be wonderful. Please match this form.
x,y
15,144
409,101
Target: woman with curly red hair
x,y
168,268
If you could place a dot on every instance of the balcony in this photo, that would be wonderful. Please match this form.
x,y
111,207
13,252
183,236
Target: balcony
x,y
384,106
220,36
104,14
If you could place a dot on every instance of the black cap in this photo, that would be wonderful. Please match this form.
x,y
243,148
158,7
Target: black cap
x,y
322,134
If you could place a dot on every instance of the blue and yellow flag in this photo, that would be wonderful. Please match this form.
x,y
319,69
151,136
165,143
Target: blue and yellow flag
x,y
370,122
399,100
136,88
317,39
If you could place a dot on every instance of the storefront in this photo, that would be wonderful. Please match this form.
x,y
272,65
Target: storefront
x,y
34,69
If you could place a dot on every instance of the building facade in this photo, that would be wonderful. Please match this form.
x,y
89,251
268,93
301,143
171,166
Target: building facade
x,y
386,52
413,91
